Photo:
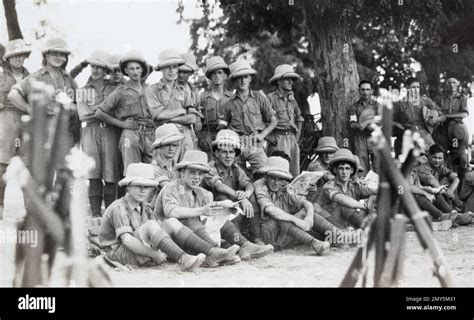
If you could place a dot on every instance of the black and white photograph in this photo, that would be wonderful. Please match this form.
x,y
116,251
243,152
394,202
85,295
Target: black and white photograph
x,y
224,143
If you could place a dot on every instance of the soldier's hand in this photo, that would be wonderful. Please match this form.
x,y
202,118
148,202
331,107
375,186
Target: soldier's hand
x,y
241,195
247,208
212,209
159,257
130,124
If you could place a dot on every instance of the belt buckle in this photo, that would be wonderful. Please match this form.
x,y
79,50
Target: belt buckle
x,y
102,125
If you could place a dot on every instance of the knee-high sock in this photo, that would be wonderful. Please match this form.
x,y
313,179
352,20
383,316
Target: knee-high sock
x,y
255,223
199,229
231,234
3,169
110,193
189,241
95,196
353,217
426,204
161,240
296,233
441,203
322,226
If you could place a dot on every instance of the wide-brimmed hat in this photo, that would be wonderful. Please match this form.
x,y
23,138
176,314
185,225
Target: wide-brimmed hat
x,y
366,118
240,68
215,63
227,138
169,57
114,61
194,159
278,167
166,134
56,45
343,155
190,65
99,58
139,174
326,144
283,71
16,47
134,56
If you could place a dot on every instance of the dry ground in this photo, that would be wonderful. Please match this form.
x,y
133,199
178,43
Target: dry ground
x,y
296,267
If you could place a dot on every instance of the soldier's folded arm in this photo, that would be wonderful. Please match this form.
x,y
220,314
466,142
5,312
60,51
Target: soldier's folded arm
x,y
109,104
16,97
185,119
157,110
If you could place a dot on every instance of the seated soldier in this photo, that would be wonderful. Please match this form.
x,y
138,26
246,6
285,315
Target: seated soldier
x,y
228,181
325,150
287,217
340,197
132,236
186,201
434,173
165,147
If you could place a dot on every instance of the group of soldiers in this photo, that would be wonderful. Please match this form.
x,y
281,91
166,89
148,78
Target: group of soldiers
x,y
200,178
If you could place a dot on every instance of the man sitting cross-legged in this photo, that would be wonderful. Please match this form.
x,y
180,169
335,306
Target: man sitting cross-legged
x,y
132,236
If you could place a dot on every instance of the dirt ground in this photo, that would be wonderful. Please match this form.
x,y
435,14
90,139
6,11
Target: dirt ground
x,y
297,267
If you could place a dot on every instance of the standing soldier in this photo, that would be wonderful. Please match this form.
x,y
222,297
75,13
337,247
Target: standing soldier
x,y
452,134
185,71
13,71
362,132
287,133
99,140
53,73
170,102
250,114
211,102
126,108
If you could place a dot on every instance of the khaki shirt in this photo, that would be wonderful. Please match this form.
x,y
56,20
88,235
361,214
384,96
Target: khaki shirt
x,y
332,188
160,97
126,102
288,202
287,110
211,108
410,115
89,99
359,106
7,81
434,177
233,177
120,218
249,116
164,172
448,105
176,195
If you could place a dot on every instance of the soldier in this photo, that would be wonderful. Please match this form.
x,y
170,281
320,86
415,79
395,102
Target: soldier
x,y
340,197
116,75
185,71
170,102
228,181
16,51
287,133
408,114
250,114
99,140
212,101
185,200
165,148
287,217
132,236
362,132
126,108
452,133
53,73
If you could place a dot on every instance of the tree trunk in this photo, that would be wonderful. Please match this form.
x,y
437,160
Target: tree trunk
x,y
14,31
335,69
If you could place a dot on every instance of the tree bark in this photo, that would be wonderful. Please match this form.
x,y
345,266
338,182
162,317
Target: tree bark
x,y
335,69
14,31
